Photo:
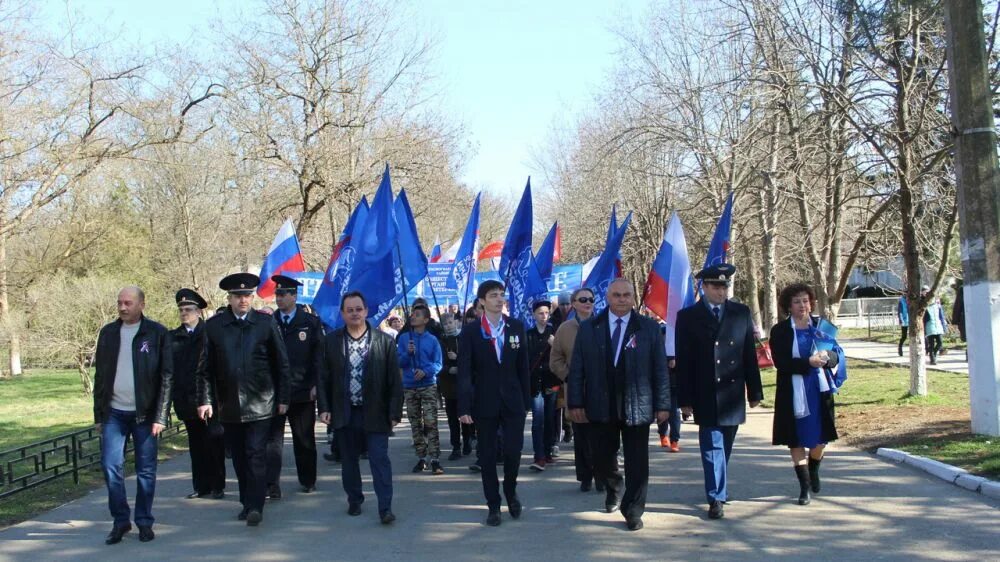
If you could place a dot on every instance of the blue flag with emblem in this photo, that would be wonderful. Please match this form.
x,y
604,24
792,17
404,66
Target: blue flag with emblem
x,y
410,256
463,270
606,269
375,273
326,303
718,249
517,264
548,253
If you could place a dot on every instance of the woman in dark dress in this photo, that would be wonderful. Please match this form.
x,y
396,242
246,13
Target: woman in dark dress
x,y
803,401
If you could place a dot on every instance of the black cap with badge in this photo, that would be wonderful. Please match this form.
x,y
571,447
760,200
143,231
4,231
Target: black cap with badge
x,y
188,297
239,283
284,285
718,273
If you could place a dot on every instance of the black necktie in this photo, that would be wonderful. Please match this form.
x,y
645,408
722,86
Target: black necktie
x,y
284,319
615,337
715,311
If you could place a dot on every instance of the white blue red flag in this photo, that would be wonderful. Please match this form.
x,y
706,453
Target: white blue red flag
x,y
435,251
669,287
283,257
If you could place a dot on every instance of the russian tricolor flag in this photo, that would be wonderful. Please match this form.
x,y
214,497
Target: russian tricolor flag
x,y
669,287
435,251
283,257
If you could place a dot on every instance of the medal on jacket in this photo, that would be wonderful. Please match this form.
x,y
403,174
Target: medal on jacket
x,y
515,342
302,335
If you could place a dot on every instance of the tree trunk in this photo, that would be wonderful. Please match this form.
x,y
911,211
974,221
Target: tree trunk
x,y
14,341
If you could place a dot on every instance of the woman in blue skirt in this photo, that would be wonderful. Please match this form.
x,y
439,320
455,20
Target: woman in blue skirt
x,y
803,401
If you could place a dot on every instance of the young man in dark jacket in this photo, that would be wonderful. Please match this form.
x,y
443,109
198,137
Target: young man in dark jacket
x,y
461,434
243,373
132,386
205,442
303,336
361,395
544,387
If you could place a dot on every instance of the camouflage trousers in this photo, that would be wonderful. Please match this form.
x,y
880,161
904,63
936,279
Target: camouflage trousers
x,y
422,410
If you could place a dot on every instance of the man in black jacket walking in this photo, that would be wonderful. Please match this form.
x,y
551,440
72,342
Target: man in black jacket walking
x,y
618,383
303,336
132,385
361,396
205,443
243,373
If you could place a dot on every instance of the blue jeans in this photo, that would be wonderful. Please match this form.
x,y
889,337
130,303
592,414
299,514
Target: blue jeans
x,y
716,447
674,423
352,439
114,431
543,423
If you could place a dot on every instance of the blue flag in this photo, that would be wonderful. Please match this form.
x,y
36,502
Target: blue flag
x,y
606,269
375,273
517,264
409,255
463,271
547,253
718,250
326,303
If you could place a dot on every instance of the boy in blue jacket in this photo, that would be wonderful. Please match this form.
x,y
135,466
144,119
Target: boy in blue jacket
x,y
420,361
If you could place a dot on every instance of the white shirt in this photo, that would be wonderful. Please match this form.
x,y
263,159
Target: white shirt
x,y
497,330
612,324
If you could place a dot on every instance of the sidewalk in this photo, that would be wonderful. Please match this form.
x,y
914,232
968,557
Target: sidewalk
x,y
953,361
869,508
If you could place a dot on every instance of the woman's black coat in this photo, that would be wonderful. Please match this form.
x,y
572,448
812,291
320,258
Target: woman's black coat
x,y
784,431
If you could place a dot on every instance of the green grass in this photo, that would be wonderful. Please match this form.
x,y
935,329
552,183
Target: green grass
x,y
42,404
979,454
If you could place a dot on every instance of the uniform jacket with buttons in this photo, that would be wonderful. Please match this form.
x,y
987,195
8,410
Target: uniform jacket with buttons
x,y
647,384
186,352
303,338
716,365
243,370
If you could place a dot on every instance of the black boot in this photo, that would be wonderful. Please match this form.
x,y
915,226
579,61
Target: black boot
x,y
802,472
814,473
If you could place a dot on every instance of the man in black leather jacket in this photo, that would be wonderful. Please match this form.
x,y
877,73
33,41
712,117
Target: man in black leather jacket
x,y
205,444
361,395
303,336
132,382
243,372
618,383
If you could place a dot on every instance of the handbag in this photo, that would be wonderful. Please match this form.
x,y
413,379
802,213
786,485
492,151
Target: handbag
x,y
764,358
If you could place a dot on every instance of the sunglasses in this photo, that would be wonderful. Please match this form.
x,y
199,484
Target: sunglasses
x,y
585,300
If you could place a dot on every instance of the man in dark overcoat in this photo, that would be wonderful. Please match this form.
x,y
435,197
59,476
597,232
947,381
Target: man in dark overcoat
x,y
716,374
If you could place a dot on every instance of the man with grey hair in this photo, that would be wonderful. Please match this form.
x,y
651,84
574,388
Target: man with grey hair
x,y
132,385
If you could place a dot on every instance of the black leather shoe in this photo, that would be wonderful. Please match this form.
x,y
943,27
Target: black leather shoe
x,y
218,494
254,517
611,502
475,467
354,509
493,519
599,486
308,489
515,508
146,534
243,515
715,510
331,457
585,486
195,495
387,517
117,532
455,455
633,523
274,492
420,466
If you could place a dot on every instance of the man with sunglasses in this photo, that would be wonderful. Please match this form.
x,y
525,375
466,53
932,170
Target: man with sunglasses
x,y
717,374
582,301
205,443
303,336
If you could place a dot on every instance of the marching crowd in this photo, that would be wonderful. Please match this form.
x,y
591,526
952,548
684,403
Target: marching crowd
x,y
598,380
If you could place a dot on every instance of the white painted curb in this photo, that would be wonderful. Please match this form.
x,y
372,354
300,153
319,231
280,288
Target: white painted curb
x,y
952,474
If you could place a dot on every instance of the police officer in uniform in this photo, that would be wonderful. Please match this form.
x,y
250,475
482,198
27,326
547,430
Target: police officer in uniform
x,y
716,374
243,374
303,336
205,443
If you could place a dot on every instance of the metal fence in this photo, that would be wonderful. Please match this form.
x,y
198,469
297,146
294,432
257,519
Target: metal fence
x,y
875,314
66,455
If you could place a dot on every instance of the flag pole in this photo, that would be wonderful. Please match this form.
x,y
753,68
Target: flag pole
x,y
402,275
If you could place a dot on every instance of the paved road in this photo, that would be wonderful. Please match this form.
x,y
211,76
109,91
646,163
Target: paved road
x,y
869,508
954,361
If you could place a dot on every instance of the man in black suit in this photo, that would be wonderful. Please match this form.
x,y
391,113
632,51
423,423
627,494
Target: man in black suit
x,y
494,392
717,373
618,383
303,336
